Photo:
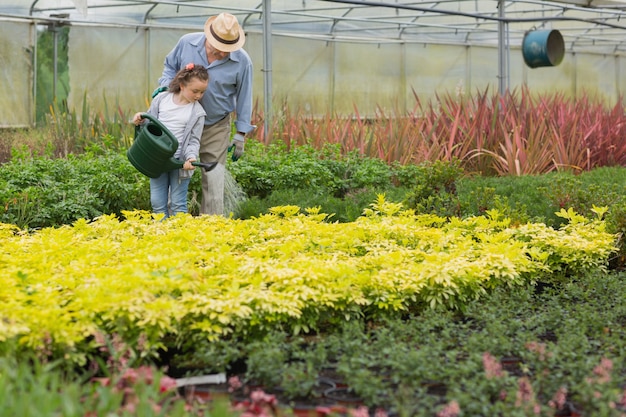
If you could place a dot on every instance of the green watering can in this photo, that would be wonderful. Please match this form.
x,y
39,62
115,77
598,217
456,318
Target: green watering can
x,y
152,152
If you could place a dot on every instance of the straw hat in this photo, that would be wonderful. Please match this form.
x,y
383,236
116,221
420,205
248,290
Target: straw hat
x,y
224,33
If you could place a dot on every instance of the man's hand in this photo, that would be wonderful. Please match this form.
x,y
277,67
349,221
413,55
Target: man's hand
x,y
237,144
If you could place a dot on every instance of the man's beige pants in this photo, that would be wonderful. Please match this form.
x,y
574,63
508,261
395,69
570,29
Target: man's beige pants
x,y
214,147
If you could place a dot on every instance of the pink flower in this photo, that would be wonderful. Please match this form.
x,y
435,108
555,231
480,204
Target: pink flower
x,y
234,383
141,374
130,375
452,409
380,413
539,349
323,411
167,384
603,371
558,401
525,393
493,368
360,411
189,66
105,382
260,397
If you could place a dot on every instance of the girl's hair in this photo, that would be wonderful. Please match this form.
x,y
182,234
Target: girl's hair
x,y
185,75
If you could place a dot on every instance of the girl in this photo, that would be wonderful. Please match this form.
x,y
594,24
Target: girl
x,y
178,110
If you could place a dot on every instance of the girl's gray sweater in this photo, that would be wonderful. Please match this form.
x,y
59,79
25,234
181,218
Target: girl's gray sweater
x,y
189,144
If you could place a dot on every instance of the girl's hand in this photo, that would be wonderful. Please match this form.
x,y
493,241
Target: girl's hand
x,y
137,119
187,165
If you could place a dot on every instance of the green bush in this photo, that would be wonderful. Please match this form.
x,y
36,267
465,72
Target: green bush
x,y
355,173
520,198
538,197
265,169
46,192
35,389
43,192
433,187
346,209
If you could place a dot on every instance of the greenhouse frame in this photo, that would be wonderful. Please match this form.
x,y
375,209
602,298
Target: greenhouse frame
x,y
315,56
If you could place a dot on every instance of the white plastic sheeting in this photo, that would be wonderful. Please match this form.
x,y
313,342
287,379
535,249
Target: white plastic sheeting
x,y
117,65
16,60
316,76
326,56
592,25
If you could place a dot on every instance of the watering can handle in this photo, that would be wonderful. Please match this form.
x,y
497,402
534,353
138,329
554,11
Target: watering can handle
x,y
150,117
144,116
156,121
207,167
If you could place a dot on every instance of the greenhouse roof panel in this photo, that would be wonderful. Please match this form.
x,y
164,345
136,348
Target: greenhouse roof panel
x,y
590,25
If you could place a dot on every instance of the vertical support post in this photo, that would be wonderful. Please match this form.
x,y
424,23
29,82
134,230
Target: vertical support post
x,y
267,68
55,57
54,28
34,74
148,57
502,78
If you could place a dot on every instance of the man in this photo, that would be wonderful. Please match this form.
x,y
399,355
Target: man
x,y
219,49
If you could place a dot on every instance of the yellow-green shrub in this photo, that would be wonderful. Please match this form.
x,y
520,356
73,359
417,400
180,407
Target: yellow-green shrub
x,y
144,279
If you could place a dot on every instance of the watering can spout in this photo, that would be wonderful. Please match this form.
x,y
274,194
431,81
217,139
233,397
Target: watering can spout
x,y
152,152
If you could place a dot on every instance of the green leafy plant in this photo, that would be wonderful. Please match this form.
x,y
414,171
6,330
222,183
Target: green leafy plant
x,y
33,388
433,188
266,360
46,192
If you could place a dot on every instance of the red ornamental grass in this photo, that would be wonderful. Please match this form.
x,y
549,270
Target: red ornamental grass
x,y
516,133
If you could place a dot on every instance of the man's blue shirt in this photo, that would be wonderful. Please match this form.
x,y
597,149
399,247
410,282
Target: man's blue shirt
x,y
230,80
